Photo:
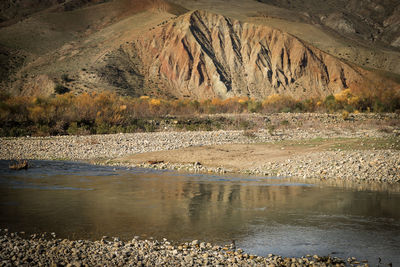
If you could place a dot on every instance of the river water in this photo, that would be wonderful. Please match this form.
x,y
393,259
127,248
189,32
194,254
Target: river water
x,y
262,214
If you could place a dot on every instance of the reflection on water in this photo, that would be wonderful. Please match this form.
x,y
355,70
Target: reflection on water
x,y
264,215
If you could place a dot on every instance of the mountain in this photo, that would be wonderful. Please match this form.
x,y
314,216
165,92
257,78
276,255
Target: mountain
x,y
36,52
341,28
205,55
175,49
376,21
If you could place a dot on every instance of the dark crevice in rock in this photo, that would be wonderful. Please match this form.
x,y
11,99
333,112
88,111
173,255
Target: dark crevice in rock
x,y
206,46
343,78
187,49
200,71
236,45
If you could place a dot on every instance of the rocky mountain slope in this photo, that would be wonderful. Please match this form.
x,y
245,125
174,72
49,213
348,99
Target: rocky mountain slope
x,y
340,28
203,55
160,48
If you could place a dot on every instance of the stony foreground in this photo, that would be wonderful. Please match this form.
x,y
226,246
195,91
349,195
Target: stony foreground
x,y
45,250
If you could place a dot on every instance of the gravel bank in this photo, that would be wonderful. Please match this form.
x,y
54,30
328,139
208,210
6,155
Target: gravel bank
x,y
286,126
110,146
365,165
359,165
39,250
116,145
353,166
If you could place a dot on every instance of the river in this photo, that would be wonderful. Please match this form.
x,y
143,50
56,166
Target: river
x,y
263,215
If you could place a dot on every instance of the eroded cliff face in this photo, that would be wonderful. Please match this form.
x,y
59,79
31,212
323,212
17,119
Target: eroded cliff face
x,y
204,55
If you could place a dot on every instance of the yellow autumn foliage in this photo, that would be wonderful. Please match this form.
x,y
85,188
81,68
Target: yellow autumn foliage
x,y
242,100
155,102
216,102
347,97
36,113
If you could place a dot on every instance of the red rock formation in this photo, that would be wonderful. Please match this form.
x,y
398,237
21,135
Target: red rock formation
x,y
204,55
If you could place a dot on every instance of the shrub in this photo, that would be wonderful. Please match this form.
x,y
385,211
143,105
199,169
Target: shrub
x,y
65,78
102,128
309,105
276,103
286,110
59,128
43,130
117,129
16,131
4,96
254,106
330,103
345,115
61,89
149,127
36,114
378,106
74,129
132,128
109,113
347,100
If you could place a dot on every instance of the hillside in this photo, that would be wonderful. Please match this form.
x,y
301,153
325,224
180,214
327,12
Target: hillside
x,y
321,24
204,55
37,51
376,21
161,48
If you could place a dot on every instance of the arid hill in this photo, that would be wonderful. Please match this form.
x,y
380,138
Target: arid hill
x,y
364,32
375,21
205,55
36,52
11,11
171,49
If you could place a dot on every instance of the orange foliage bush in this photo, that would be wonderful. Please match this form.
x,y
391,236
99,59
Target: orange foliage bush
x,y
107,112
278,103
347,98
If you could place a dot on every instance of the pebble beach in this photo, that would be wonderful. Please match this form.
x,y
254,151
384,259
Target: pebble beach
x,y
47,250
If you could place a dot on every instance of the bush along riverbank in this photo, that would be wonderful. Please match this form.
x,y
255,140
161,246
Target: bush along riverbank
x,y
104,113
47,250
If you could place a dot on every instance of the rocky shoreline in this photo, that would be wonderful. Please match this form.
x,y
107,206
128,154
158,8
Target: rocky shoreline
x,y
382,166
18,249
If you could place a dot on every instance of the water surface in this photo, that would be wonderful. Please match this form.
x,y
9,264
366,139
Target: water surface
x,y
262,214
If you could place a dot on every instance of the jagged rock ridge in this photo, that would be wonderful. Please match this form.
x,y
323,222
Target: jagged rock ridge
x,y
204,55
